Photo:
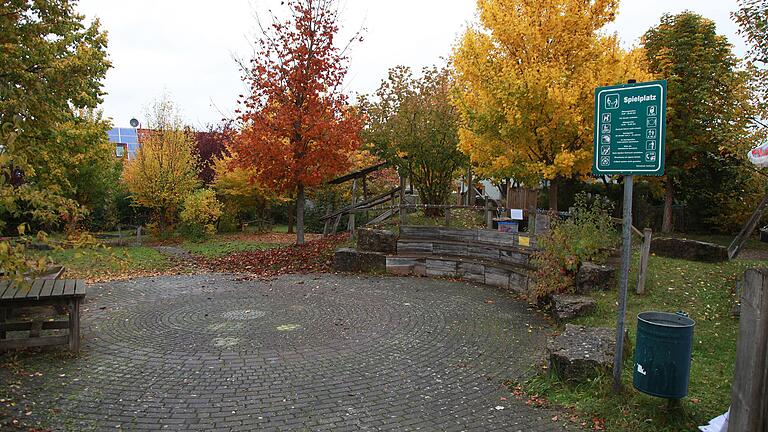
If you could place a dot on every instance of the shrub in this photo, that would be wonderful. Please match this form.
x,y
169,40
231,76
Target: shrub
x,y
201,211
588,235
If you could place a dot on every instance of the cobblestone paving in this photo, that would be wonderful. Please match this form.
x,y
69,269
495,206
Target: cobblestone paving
x,y
300,353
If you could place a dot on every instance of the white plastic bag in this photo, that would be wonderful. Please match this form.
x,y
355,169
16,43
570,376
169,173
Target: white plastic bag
x,y
717,424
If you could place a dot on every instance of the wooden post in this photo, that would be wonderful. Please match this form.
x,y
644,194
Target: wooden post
x,y
470,188
74,325
749,389
488,214
509,194
351,224
644,253
119,235
138,235
365,195
403,218
328,211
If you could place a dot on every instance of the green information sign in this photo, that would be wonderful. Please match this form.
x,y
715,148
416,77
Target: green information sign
x,y
630,128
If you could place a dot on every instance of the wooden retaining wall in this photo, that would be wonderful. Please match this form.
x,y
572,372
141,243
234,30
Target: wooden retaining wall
x,y
477,255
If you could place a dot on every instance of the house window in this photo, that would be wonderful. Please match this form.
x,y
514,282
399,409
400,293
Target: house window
x,y
120,150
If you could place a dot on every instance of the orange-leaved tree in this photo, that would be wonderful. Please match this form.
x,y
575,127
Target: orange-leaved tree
x,y
298,128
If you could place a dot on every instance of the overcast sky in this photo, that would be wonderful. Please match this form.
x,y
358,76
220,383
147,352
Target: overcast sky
x,y
185,47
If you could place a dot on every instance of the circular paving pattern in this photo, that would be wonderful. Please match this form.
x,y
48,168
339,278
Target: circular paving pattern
x,y
298,353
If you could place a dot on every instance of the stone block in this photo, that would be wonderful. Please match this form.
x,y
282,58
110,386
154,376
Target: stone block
x,y
690,250
472,272
518,282
592,277
351,260
496,277
346,260
441,268
372,261
515,257
401,266
566,306
374,240
582,352
453,249
415,247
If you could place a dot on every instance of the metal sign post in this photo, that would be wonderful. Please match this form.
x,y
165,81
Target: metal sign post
x,y
630,129
626,254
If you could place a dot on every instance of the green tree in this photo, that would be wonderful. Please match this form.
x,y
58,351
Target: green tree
x,y
413,125
51,68
709,99
752,18
164,170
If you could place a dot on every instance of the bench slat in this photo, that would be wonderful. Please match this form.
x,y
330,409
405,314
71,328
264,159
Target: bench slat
x,y
3,286
69,287
80,288
47,288
58,288
23,290
10,291
36,287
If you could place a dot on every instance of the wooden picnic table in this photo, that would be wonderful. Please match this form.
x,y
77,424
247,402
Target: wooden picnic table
x,y
41,292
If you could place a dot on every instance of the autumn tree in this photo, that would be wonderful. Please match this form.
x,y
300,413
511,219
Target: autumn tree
x,y
412,124
525,86
752,18
164,170
709,102
237,188
51,69
298,128
211,145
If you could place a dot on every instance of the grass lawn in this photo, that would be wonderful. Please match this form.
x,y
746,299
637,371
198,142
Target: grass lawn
x,y
219,246
99,262
705,292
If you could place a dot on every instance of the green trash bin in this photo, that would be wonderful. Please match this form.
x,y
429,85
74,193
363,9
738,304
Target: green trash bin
x,y
663,354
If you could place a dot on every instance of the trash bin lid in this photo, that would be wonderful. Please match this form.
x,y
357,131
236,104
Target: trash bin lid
x,y
666,319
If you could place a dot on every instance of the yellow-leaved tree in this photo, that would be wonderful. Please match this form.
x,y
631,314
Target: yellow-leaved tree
x,y
525,80
164,170
244,198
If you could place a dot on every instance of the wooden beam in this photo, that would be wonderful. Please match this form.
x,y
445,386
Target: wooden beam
x,y
351,224
378,199
7,344
735,247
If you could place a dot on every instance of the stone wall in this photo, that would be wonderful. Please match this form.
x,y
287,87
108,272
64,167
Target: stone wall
x,y
477,255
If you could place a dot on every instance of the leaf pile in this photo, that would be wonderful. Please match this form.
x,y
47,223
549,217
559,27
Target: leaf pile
x,y
312,257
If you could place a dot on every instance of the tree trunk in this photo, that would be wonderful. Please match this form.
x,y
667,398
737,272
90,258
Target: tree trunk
x,y
668,224
300,215
291,217
470,189
553,186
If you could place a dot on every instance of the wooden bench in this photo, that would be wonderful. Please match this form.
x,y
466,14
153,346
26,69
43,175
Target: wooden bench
x,y
41,292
